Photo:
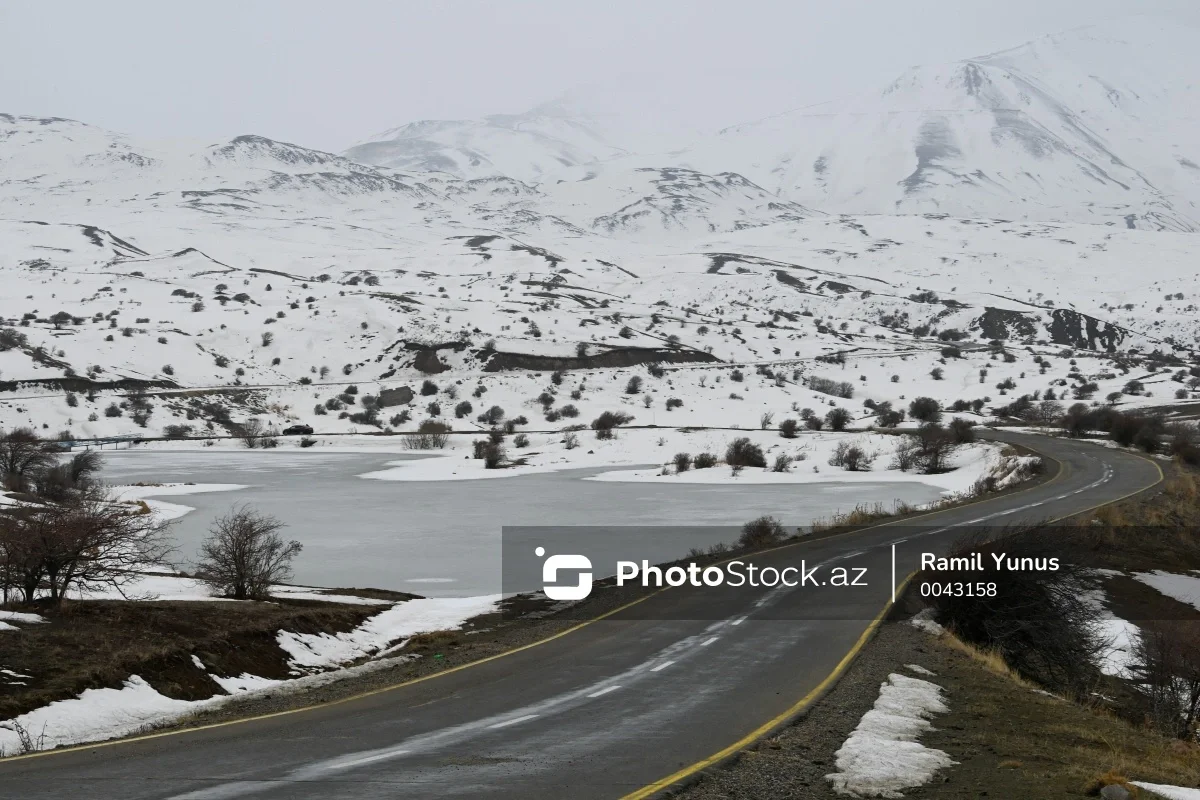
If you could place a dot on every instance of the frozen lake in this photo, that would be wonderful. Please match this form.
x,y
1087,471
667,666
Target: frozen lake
x,y
443,538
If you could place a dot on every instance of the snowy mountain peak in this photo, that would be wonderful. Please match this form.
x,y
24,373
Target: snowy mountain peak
x,y
250,149
1089,125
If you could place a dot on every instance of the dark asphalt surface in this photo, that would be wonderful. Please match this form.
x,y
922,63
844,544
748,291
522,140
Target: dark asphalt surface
x,y
599,713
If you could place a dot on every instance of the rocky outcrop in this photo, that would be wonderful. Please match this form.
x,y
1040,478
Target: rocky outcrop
x,y
395,396
618,357
1074,329
1004,324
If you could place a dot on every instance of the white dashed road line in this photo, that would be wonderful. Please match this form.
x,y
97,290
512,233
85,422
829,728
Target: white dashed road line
x,y
513,721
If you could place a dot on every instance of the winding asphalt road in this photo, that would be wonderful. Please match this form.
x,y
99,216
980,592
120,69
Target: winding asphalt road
x,y
617,708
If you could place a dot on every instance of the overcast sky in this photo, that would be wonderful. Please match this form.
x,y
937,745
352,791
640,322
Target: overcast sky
x,y
327,74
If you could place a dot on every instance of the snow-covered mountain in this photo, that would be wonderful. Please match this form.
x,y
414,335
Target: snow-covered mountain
x,y
1099,124
490,252
527,146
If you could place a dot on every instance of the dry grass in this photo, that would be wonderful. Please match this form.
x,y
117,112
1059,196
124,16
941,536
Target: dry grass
x,y
991,660
98,644
1111,778
860,515
1018,742
434,642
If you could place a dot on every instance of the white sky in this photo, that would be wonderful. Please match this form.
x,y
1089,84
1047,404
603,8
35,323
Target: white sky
x,y
328,74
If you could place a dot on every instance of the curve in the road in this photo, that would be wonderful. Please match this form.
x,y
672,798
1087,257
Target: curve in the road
x,y
623,707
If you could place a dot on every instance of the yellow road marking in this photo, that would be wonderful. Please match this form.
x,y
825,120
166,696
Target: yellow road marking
x,y
832,677
772,724
315,706
829,679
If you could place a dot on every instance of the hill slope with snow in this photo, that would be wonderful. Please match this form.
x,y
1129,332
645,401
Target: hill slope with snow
x,y
258,277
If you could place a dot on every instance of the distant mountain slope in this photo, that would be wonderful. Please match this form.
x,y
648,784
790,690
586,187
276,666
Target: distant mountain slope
x,y
1098,124
525,146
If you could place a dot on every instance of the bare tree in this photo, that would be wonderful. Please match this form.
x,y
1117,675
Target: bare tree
x,y
89,542
251,432
1166,674
23,457
20,568
244,554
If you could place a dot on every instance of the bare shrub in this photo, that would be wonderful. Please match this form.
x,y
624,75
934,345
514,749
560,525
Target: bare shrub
x,y
741,452
962,431
430,435
788,428
1165,672
683,462
925,409
704,461
851,458
906,455
762,532
604,424
251,432
783,463
244,555
935,446
837,419
1039,621
828,386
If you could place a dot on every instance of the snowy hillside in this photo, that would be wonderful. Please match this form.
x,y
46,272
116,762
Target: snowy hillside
x,y
1097,124
1024,225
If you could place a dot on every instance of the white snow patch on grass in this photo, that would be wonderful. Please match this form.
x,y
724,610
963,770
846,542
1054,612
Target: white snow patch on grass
x,y
244,683
20,616
1169,792
94,715
924,621
882,755
1119,634
99,714
310,652
1184,588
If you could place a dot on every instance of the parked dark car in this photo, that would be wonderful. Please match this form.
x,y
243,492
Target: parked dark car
x,y
296,430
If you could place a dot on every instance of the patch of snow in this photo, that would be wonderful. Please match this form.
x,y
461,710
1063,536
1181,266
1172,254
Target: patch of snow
x,y
1184,588
164,511
882,754
1169,792
1119,634
310,651
99,714
917,668
21,616
95,715
244,683
923,620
